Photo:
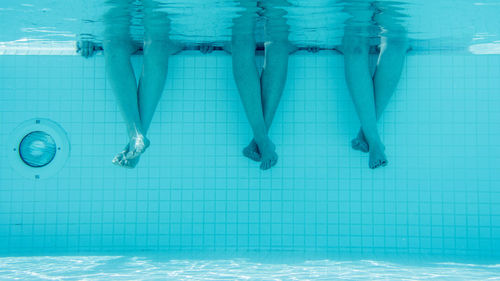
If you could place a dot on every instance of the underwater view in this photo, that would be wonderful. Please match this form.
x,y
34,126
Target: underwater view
x,y
250,140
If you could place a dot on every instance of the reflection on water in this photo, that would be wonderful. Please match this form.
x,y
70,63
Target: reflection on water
x,y
308,23
143,268
440,24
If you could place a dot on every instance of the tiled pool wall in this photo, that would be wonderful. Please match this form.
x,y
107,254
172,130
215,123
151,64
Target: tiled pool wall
x,y
192,190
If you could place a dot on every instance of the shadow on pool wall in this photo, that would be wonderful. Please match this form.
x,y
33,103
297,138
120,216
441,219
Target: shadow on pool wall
x,y
193,190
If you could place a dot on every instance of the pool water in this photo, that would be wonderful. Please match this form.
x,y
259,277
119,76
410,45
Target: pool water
x,y
320,214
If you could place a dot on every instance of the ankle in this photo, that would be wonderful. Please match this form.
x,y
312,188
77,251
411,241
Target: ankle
x,y
135,131
377,146
261,138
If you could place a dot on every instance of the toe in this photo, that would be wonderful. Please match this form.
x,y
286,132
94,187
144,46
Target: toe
x,y
264,165
132,154
269,163
274,160
246,151
255,156
354,142
123,162
359,144
250,153
378,163
118,157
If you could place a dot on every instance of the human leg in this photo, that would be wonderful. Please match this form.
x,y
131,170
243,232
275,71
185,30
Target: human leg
x,y
247,80
118,47
360,84
393,48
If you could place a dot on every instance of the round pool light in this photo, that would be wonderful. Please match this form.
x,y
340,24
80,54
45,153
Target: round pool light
x,y
37,149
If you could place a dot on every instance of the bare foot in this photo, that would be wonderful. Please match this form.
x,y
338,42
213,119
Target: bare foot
x,y
269,156
130,155
137,145
252,151
377,157
360,143
121,160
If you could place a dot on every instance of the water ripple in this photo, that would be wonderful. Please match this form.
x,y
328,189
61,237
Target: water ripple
x,y
440,24
144,268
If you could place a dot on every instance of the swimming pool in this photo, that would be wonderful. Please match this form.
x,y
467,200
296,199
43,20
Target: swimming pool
x,y
195,208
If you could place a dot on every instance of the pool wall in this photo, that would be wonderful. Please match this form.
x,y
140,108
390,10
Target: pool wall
x,y
193,191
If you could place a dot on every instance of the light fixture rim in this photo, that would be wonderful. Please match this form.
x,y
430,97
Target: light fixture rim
x,y
49,127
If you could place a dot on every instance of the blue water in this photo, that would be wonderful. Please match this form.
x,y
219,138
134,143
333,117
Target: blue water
x,y
320,214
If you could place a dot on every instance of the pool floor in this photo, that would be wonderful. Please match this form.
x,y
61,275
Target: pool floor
x,y
149,268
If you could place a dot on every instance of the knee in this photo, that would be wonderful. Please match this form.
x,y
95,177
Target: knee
x,y
281,46
160,50
243,45
396,45
117,47
155,45
355,46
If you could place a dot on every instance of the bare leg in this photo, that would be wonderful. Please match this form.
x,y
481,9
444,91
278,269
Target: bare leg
x,y
360,84
122,80
118,49
247,81
274,74
393,49
273,81
385,80
157,48
155,62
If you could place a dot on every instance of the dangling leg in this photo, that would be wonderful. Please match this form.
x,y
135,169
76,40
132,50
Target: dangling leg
x,y
360,84
118,48
247,81
385,80
157,48
393,49
388,73
274,74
